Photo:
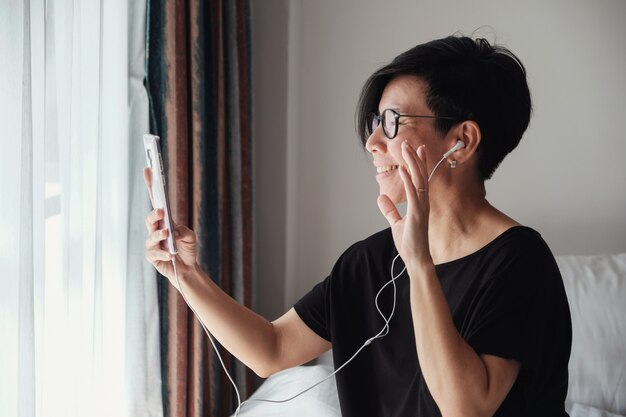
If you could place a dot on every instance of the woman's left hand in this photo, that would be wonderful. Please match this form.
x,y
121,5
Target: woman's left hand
x,y
410,233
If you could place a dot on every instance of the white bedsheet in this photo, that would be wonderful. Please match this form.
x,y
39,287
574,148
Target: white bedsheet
x,y
321,401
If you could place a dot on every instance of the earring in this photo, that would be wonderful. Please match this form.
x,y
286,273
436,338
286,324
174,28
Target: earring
x,y
453,164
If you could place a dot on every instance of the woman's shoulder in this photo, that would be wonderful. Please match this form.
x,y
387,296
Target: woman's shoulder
x,y
518,235
517,240
381,240
522,241
378,247
518,251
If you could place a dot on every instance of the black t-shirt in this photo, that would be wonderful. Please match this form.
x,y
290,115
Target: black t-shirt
x,y
507,299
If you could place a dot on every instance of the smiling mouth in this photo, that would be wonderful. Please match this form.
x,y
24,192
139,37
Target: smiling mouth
x,y
381,170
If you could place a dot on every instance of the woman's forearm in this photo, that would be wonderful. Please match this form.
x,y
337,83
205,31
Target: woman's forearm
x,y
248,336
456,375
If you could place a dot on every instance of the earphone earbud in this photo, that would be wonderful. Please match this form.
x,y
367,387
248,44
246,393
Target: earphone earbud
x,y
459,145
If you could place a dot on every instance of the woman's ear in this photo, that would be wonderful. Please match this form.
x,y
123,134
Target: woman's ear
x,y
469,133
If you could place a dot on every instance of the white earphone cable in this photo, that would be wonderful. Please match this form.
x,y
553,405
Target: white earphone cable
x,y
435,168
206,331
383,332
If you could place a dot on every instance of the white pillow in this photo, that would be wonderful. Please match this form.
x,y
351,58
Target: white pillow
x,y
321,401
596,290
579,410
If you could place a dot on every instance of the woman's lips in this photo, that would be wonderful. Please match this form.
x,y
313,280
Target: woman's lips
x,y
385,171
382,169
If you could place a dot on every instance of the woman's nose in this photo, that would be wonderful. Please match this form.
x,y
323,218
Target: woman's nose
x,y
377,141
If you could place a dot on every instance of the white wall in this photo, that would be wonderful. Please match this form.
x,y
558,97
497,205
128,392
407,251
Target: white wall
x,y
269,78
566,179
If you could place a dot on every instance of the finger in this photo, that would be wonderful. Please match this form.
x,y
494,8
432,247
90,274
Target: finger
x,y
409,189
155,238
153,218
156,255
418,170
421,161
410,159
147,178
416,167
422,164
388,209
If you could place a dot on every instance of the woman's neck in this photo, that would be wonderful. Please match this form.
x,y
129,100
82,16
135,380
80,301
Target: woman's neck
x,y
461,223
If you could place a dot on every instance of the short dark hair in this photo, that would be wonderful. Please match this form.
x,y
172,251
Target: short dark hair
x,y
467,79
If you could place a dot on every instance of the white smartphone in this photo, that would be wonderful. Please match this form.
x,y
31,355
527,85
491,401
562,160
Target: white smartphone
x,y
152,149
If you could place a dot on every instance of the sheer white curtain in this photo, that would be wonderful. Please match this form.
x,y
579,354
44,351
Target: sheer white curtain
x,y
78,313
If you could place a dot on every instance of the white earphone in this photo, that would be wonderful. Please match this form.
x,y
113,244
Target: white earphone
x,y
459,145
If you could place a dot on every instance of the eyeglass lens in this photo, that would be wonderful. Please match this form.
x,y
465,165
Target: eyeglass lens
x,y
389,121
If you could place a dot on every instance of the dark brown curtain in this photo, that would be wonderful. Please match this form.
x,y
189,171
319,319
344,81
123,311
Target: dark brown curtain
x,y
198,77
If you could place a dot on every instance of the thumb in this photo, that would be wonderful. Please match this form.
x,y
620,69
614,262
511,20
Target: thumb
x,y
388,209
185,234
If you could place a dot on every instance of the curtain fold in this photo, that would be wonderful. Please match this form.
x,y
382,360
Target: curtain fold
x,y
78,316
199,81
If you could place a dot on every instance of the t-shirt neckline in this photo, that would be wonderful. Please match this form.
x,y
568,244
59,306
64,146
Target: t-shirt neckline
x,y
493,242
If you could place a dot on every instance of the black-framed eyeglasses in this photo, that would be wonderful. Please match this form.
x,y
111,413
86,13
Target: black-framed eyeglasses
x,y
389,118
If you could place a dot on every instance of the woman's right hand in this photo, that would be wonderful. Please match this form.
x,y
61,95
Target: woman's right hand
x,y
156,252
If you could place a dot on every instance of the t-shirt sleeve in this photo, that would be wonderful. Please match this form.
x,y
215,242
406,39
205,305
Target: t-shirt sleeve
x,y
313,309
514,315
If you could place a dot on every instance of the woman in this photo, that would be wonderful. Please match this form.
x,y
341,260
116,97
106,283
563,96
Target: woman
x,y
481,324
